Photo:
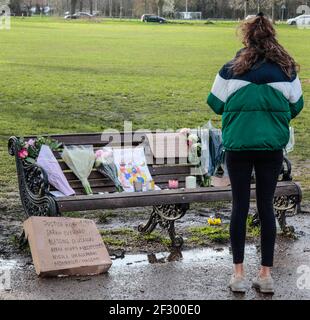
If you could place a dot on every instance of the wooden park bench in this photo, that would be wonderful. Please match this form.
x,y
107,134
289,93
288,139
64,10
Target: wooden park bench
x,y
167,205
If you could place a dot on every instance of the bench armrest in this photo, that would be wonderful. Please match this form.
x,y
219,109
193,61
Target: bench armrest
x,y
33,185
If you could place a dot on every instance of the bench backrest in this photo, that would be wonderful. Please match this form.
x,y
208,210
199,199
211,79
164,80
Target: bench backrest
x,y
165,162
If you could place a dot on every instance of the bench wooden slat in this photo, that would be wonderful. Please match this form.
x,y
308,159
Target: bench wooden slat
x,y
109,187
97,138
161,170
102,181
141,199
96,190
154,171
126,139
102,138
94,175
155,167
95,147
150,161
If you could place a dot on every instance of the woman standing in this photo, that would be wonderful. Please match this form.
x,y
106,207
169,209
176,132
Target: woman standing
x,y
257,93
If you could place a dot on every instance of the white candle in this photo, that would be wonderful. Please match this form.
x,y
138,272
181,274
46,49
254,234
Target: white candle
x,y
190,182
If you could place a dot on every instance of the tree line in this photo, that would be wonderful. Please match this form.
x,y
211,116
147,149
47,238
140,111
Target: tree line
x,y
210,9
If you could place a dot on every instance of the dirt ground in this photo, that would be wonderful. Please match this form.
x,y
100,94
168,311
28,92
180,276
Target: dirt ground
x,y
145,269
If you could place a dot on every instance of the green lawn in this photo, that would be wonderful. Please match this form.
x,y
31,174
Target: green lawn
x,y
71,76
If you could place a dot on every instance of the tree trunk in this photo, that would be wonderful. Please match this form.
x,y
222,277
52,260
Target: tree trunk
x,y
160,5
120,9
81,5
91,6
273,11
246,8
258,6
73,6
104,9
110,8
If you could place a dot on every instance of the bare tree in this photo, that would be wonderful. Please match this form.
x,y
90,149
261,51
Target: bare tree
x,y
272,11
160,5
110,8
121,8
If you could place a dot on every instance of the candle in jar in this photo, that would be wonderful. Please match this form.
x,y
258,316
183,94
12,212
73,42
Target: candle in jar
x,y
190,182
173,184
150,185
138,185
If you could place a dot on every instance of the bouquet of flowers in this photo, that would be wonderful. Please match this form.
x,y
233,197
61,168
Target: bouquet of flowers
x,y
194,149
195,155
29,150
80,159
194,146
56,177
105,165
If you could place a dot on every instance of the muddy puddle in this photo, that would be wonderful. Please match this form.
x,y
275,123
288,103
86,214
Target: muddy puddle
x,y
8,264
198,255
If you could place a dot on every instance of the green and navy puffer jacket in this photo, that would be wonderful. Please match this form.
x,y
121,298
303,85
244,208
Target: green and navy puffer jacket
x,y
256,107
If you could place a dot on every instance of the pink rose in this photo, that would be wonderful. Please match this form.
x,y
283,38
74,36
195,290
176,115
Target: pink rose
x,y
99,153
30,143
103,154
23,153
185,131
107,154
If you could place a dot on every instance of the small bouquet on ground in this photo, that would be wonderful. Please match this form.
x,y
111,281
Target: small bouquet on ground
x,y
29,150
56,178
105,165
80,159
214,221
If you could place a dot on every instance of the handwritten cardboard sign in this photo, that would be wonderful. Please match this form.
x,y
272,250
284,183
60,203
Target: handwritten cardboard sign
x,y
66,246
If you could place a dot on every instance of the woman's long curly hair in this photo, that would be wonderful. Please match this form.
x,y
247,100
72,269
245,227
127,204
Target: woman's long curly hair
x,y
259,38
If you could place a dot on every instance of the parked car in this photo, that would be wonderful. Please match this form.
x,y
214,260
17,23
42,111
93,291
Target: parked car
x,y
70,16
84,15
152,18
303,19
250,16
78,15
143,17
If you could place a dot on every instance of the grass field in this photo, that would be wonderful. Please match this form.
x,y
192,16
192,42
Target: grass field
x,y
71,76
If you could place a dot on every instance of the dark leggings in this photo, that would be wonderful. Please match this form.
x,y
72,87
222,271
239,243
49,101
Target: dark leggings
x,y
267,166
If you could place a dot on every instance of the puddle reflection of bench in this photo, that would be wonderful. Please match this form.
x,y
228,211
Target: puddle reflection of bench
x,y
167,205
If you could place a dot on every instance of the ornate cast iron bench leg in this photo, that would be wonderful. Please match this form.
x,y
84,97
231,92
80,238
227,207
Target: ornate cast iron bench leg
x,y
165,216
284,205
33,186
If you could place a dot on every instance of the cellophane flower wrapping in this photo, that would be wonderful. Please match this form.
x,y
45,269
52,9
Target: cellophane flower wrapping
x,y
47,161
194,149
80,159
104,164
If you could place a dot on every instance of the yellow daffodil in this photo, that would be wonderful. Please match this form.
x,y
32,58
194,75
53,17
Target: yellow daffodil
x,y
214,221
